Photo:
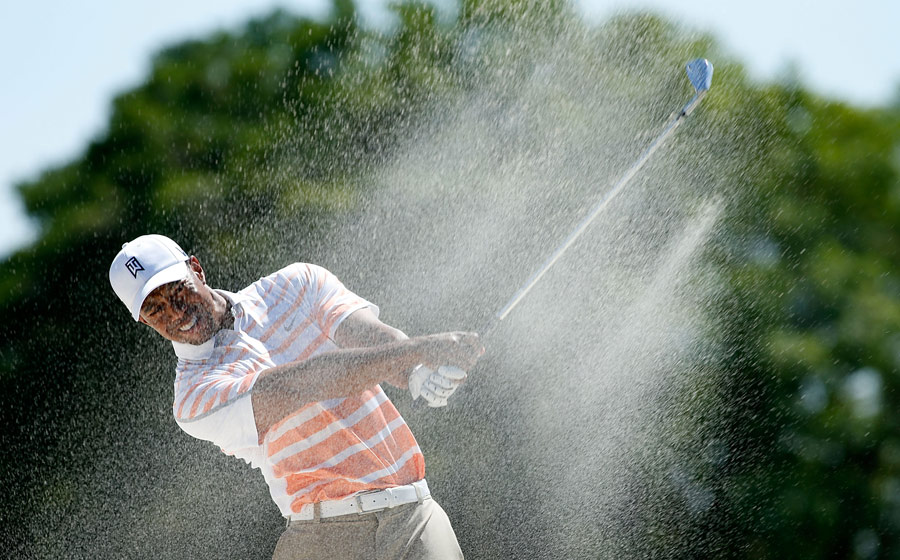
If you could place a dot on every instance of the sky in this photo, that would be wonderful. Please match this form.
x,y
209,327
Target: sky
x,y
65,61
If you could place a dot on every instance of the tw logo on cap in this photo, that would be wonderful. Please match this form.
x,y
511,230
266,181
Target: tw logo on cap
x,y
134,266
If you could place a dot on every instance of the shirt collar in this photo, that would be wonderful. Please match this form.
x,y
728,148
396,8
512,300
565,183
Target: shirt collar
x,y
194,351
205,350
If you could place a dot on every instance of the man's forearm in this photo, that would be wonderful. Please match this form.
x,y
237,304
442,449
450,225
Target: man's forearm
x,y
279,391
363,329
342,372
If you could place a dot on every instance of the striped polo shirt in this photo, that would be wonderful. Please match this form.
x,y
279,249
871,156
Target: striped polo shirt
x,y
323,451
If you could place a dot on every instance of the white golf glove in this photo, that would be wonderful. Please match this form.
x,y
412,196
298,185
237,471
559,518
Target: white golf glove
x,y
435,386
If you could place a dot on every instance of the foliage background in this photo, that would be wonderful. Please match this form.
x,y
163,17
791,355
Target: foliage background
x,y
294,139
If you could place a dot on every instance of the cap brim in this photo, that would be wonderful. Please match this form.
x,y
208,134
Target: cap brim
x,y
173,273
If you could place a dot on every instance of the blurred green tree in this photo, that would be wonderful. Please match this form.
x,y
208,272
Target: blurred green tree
x,y
259,143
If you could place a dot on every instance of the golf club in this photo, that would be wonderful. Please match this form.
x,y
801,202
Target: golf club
x,y
699,73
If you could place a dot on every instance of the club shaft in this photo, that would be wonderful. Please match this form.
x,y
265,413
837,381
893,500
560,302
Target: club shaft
x,y
595,211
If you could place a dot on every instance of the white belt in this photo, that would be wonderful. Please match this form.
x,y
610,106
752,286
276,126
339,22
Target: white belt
x,y
365,502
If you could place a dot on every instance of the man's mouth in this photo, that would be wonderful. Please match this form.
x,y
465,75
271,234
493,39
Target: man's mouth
x,y
189,325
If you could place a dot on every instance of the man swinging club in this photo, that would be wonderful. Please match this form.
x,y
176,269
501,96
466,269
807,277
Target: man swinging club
x,y
284,374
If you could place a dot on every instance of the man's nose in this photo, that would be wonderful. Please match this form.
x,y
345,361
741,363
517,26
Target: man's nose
x,y
175,310
178,305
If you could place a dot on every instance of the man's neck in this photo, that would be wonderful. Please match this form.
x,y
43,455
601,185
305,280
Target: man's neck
x,y
227,321
224,318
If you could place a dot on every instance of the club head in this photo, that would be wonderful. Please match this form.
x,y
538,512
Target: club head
x,y
700,73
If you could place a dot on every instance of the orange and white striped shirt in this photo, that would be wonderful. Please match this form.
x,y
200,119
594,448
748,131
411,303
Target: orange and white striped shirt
x,y
325,450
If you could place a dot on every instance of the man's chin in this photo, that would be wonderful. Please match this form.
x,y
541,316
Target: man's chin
x,y
195,341
195,336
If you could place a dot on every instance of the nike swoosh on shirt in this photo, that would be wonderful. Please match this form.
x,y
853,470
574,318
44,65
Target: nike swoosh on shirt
x,y
289,324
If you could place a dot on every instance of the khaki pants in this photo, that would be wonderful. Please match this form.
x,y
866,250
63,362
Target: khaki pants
x,y
409,532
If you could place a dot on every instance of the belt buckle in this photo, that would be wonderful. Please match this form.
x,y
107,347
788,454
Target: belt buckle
x,y
371,502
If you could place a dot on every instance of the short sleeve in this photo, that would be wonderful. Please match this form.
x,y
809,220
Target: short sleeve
x,y
332,301
216,406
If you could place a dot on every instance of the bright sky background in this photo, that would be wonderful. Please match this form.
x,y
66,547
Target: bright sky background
x,y
64,61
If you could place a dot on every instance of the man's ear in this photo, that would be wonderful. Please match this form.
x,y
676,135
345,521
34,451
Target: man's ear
x,y
194,263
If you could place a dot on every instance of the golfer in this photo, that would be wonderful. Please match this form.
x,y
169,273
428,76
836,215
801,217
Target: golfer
x,y
285,374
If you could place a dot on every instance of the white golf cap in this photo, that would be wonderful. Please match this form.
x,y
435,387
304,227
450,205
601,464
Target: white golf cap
x,y
143,265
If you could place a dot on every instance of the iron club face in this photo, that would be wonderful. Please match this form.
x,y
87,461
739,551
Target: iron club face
x,y
700,73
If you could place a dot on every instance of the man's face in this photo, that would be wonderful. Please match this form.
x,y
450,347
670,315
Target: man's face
x,y
186,311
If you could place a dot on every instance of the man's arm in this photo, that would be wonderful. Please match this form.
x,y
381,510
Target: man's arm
x,y
281,390
363,329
